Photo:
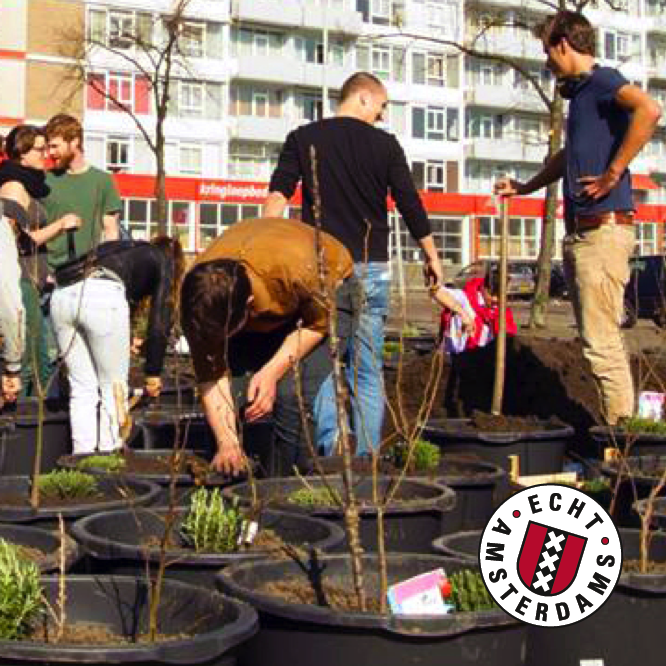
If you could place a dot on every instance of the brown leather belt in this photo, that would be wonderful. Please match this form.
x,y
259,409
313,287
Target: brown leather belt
x,y
586,222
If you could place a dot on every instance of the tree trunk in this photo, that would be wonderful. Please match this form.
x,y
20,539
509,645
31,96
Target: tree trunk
x,y
160,185
547,249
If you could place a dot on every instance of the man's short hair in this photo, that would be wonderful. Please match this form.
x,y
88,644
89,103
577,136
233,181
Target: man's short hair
x,y
65,127
360,81
213,300
21,140
573,27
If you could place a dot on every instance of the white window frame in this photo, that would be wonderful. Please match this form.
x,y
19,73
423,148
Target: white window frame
x,y
119,77
380,12
185,168
190,109
117,41
260,101
191,46
432,80
122,142
383,54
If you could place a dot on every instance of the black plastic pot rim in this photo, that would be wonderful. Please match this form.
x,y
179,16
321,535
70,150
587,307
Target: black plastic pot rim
x,y
508,437
13,534
108,548
654,584
214,479
441,544
146,492
611,470
445,501
178,651
605,434
424,626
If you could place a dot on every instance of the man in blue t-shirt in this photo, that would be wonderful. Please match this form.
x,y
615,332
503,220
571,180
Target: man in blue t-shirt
x,y
609,122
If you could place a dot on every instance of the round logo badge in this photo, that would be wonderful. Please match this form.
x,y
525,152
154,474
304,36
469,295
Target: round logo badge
x,y
550,555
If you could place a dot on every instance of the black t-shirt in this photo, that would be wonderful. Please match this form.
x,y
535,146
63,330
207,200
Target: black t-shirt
x,y
357,166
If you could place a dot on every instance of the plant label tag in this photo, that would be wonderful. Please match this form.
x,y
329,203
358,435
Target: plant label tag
x,y
420,595
591,662
651,405
249,532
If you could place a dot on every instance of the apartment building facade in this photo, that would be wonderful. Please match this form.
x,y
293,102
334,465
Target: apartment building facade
x,y
251,70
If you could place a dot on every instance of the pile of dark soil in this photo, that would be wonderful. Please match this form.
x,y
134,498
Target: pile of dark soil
x,y
544,378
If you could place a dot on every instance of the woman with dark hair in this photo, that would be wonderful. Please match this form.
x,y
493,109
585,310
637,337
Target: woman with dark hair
x,y
22,184
97,348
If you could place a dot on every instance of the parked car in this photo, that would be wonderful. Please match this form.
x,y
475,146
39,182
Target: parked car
x,y
645,295
522,276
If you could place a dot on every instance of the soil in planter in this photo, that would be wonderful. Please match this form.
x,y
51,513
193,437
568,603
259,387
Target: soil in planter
x,y
480,421
335,597
634,566
267,541
545,377
33,554
161,465
21,499
95,634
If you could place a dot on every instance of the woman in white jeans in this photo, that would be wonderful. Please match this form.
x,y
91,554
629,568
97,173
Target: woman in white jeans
x,y
90,310
91,323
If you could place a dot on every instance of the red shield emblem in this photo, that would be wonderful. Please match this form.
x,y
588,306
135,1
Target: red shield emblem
x,y
549,559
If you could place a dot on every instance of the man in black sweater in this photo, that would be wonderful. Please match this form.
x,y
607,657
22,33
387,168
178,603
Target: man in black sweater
x,y
357,165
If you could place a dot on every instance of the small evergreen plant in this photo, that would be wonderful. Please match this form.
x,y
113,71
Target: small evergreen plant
x,y
113,462
425,456
469,593
639,425
67,484
210,525
315,497
20,593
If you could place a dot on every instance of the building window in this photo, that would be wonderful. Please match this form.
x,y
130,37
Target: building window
x,y
448,234
646,238
246,42
140,217
381,62
190,103
190,159
252,160
193,39
121,30
428,69
523,238
435,123
484,126
620,45
396,118
120,91
310,107
258,102
117,154
429,175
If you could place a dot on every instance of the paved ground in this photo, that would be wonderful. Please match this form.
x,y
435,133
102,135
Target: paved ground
x,y
421,312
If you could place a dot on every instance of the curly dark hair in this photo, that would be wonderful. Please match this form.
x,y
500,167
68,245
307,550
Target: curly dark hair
x,y
573,27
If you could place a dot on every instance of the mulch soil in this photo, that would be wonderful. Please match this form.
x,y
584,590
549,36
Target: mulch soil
x,y
94,634
545,378
23,499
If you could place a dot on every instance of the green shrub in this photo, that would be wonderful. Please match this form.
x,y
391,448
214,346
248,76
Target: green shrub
x,y
67,484
594,485
410,331
20,593
391,348
210,525
321,496
469,592
113,462
425,456
637,425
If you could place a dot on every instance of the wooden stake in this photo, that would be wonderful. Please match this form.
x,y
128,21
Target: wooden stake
x,y
500,357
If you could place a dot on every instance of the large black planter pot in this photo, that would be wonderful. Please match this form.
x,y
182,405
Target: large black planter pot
x,y
625,630
462,545
175,392
410,524
473,481
304,635
185,483
640,444
47,542
17,449
637,481
169,426
217,624
116,542
132,493
540,451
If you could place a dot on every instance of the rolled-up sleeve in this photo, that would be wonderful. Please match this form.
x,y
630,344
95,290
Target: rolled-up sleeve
x,y
287,174
12,313
404,194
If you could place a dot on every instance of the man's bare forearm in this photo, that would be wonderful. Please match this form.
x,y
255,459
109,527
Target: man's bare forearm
x,y
551,172
218,407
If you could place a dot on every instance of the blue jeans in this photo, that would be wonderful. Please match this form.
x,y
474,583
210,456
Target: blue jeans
x,y
363,361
